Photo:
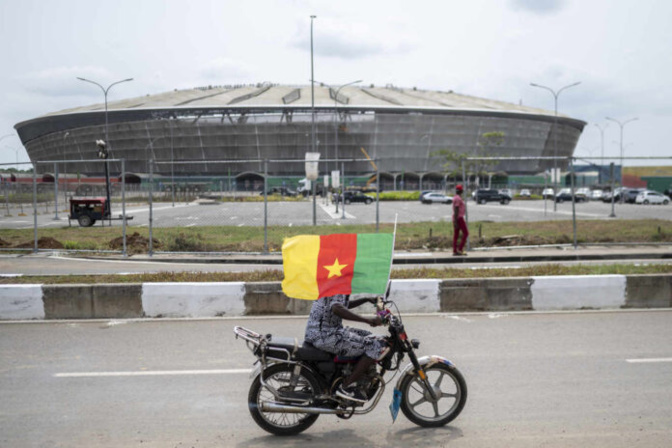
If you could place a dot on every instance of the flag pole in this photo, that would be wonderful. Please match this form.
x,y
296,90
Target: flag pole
x,y
394,240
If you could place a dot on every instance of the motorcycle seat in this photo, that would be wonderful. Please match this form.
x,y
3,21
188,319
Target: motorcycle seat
x,y
300,350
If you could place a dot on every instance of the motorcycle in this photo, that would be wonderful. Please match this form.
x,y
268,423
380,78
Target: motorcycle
x,y
294,383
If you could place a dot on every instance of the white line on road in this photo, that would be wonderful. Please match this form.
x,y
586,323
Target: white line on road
x,y
648,360
331,211
559,212
150,373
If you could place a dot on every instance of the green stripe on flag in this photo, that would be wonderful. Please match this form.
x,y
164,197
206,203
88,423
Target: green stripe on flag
x,y
372,265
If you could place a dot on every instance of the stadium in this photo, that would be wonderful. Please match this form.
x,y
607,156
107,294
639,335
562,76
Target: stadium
x,y
398,128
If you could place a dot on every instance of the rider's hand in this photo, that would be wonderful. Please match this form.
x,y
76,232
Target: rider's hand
x,y
375,321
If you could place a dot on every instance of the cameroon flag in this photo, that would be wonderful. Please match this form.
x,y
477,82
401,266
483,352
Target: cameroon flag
x,y
323,265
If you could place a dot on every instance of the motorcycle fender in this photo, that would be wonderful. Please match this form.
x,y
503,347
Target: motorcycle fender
x,y
425,361
256,371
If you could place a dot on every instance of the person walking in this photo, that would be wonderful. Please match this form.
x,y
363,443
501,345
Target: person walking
x,y
459,224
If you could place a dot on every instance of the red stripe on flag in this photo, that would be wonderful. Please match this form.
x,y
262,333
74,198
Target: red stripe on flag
x,y
336,263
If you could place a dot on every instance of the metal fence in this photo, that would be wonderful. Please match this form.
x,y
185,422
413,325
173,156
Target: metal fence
x,y
265,197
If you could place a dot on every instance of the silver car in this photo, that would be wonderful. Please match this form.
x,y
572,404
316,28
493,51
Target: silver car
x,y
431,198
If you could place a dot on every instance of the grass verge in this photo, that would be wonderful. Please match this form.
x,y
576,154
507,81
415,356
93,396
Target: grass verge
x,y
277,275
410,236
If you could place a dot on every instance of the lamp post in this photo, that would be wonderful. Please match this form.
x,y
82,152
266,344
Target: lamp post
x,y
555,133
105,91
622,125
601,128
312,109
105,148
17,151
336,116
312,88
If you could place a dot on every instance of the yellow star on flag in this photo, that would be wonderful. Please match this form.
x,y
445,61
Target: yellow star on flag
x,y
335,269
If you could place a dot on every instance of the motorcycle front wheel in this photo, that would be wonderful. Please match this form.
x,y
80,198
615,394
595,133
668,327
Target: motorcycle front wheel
x,y
450,388
280,378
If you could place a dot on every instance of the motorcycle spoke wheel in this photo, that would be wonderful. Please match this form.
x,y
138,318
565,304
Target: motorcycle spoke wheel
x,y
280,378
419,406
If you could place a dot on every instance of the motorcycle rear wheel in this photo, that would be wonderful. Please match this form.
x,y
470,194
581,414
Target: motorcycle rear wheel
x,y
278,376
416,402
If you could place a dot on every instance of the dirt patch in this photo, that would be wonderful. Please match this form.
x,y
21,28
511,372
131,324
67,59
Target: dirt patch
x,y
42,243
4,243
135,244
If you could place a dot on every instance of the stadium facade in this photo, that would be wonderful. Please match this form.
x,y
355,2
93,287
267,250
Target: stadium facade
x,y
398,128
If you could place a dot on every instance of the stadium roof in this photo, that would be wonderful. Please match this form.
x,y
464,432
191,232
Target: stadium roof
x,y
274,95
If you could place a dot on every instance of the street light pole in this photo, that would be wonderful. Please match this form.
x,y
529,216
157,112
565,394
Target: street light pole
x,y
601,128
622,125
336,117
555,133
105,91
312,110
17,151
106,147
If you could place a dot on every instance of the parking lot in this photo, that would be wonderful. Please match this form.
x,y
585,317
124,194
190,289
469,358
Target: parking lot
x,y
301,213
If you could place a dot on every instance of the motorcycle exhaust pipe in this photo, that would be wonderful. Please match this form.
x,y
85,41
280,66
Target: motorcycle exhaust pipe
x,y
289,409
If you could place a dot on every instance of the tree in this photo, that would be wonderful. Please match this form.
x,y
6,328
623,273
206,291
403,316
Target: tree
x,y
484,145
453,161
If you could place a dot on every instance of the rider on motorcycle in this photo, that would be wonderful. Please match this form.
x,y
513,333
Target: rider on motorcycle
x,y
325,331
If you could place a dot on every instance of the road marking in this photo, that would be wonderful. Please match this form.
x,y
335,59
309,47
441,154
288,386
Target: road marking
x,y
331,211
648,360
559,212
150,373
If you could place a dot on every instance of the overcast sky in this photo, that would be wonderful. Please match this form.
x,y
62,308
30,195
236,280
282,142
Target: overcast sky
x,y
618,49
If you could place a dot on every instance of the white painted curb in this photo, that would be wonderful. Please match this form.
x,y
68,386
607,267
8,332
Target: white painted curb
x,y
21,302
577,292
416,296
193,299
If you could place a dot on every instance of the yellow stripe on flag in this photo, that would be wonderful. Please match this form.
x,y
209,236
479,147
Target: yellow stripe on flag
x,y
299,261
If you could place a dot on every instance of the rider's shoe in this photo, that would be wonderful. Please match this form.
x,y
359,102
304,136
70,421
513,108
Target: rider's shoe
x,y
351,393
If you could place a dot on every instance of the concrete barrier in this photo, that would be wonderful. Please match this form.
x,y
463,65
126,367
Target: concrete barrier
x,y
578,292
193,299
19,302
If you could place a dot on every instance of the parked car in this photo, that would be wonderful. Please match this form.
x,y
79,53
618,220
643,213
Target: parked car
x,y
631,194
506,192
548,193
606,196
525,193
596,195
582,192
483,196
423,193
352,196
566,195
651,197
282,191
431,198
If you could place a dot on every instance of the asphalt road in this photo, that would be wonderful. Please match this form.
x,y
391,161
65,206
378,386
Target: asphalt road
x,y
590,379
301,213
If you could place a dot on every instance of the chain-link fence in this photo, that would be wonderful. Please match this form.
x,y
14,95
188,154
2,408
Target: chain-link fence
x,y
58,201
602,189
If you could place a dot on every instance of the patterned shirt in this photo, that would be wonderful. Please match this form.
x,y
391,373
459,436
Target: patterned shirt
x,y
322,321
325,331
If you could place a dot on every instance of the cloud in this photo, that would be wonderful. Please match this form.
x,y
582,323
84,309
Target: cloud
x,y
222,70
62,81
539,6
353,40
